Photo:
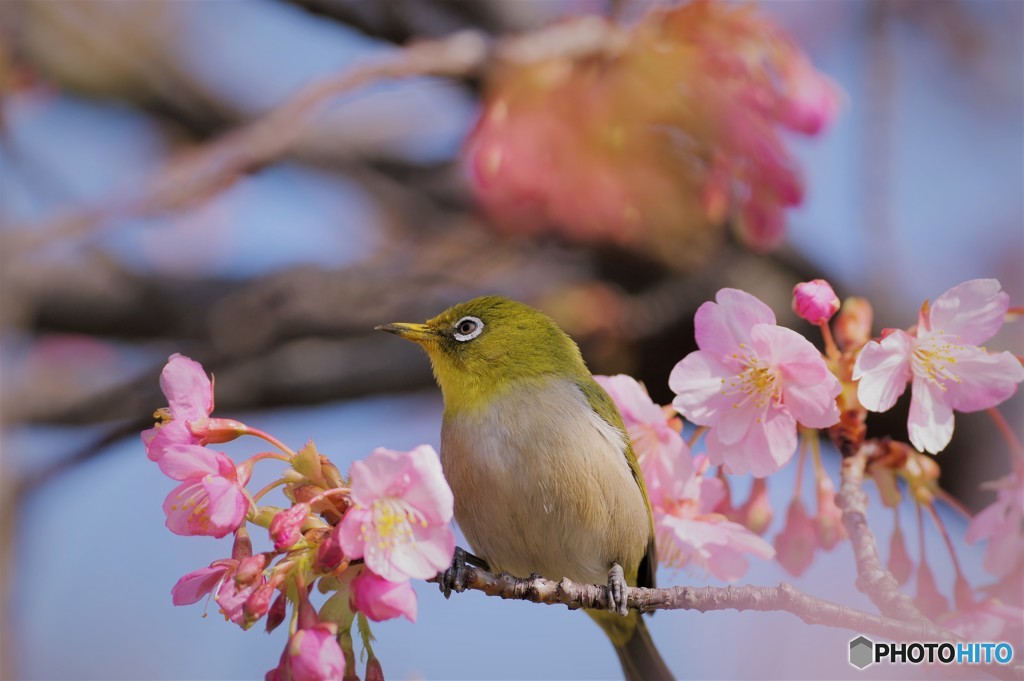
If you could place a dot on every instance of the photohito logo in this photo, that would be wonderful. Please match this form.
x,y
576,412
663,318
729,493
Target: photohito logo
x,y
864,651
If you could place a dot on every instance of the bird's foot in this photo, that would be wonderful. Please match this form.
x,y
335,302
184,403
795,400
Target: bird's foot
x,y
454,578
618,590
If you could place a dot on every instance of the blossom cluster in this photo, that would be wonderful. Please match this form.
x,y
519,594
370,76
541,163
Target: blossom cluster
x,y
591,145
362,537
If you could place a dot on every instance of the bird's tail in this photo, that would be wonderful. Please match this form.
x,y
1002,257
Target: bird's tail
x,y
637,653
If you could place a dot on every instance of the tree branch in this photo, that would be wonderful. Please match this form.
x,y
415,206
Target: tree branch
x,y
781,598
875,581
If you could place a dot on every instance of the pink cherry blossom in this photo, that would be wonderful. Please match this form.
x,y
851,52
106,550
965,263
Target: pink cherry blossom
x,y
399,518
664,457
379,599
1002,524
815,301
751,382
211,499
943,360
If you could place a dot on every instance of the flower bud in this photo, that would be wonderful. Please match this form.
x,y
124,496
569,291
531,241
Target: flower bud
x,y
815,301
900,564
278,611
380,599
286,527
257,604
250,568
795,544
756,512
829,521
373,670
242,548
852,327
215,431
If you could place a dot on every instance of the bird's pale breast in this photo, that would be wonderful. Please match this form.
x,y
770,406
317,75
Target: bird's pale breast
x,y
542,485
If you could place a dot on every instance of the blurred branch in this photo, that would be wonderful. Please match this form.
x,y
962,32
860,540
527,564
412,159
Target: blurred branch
x,y
190,178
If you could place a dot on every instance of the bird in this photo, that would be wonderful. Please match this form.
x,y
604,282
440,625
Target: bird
x,y
538,458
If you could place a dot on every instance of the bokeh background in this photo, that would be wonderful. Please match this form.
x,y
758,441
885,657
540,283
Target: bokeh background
x,y
275,279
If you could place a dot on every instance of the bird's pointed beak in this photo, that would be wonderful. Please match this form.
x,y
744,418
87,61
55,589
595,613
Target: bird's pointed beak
x,y
418,333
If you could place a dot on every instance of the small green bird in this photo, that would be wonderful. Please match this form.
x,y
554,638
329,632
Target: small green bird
x,y
537,455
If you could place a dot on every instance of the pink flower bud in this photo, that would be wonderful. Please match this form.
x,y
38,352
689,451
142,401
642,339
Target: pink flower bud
x,y
795,544
829,521
257,604
852,327
756,512
210,431
250,568
815,301
900,564
286,527
379,599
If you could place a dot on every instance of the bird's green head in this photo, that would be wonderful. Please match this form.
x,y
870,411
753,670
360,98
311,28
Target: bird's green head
x,y
484,347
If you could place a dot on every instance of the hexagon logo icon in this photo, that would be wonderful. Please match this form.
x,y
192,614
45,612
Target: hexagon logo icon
x,y
861,652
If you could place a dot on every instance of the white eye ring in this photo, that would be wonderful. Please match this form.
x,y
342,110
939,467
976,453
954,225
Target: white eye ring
x,y
474,330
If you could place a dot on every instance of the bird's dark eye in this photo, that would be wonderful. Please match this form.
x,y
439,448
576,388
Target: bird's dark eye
x,y
468,328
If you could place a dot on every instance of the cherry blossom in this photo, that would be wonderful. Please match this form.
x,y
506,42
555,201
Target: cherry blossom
x,y
943,361
211,499
186,419
751,382
401,508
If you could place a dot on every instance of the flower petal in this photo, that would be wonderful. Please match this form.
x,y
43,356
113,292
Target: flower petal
x,y
883,369
983,379
764,449
379,475
187,388
227,505
352,538
697,381
193,586
183,462
809,389
427,491
429,552
930,424
723,326
632,399
973,310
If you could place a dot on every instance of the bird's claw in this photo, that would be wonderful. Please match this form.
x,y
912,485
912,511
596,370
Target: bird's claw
x,y
454,578
618,590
